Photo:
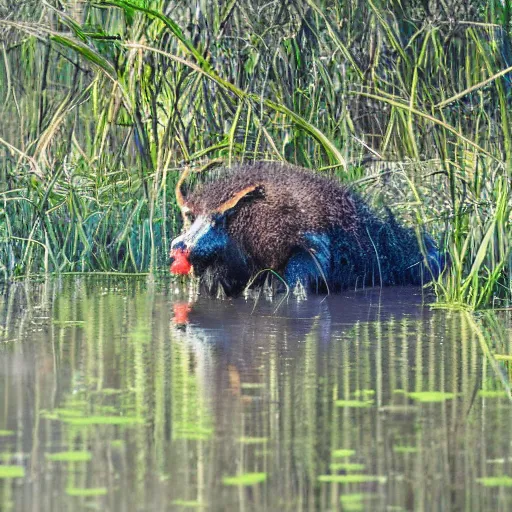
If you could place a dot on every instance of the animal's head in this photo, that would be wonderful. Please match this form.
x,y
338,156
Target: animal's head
x,y
206,245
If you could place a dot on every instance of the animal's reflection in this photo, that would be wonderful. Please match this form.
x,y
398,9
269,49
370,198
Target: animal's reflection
x,y
268,379
233,343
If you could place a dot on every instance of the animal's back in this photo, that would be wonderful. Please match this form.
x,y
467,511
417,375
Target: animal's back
x,y
284,183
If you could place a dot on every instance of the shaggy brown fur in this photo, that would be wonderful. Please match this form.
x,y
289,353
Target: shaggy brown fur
x,y
290,202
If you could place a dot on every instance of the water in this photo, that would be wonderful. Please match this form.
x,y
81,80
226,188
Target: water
x,y
118,395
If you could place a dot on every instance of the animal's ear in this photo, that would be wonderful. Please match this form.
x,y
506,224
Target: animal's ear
x,y
180,199
244,194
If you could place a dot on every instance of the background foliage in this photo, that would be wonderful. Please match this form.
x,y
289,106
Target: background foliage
x,y
102,103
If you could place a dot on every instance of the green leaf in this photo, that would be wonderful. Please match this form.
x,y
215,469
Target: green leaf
x,y
245,479
12,471
86,52
71,456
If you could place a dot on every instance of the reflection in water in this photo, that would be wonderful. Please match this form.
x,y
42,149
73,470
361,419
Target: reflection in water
x,y
124,395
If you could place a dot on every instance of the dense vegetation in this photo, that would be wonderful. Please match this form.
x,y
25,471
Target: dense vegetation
x,y
103,102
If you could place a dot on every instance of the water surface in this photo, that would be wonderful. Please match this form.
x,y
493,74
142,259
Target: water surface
x,y
132,395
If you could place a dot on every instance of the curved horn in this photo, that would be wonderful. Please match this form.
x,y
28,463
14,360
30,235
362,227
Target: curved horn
x,y
180,199
236,198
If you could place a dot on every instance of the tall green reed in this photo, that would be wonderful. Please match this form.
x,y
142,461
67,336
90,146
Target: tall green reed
x,y
106,100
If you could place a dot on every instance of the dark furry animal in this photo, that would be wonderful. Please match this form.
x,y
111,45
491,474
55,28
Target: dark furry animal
x,y
307,228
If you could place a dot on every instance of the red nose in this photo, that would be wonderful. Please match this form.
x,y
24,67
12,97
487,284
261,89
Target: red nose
x,y
181,311
181,264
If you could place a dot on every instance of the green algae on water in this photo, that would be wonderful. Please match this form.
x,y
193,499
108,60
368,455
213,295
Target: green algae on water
x,y
352,502
405,449
365,393
62,414
86,492
193,432
354,506
343,452
354,497
104,420
69,323
496,481
188,503
70,413
245,479
7,471
352,479
492,393
251,385
71,456
431,396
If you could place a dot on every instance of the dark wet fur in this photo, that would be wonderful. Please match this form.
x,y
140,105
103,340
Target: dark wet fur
x,y
296,213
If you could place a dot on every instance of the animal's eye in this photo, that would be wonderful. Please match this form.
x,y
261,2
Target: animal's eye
x,y
217,220
190,217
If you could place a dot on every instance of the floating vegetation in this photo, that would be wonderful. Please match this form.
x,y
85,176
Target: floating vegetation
x,y
492,393
71,456
354,403
59,412
86,492
355,497
496,481
253,440
405,449
188,503
431,396
352,479
69,323
7,471
193,432
342,453
353,502
104,420
351,498
364,393
245,479
252,385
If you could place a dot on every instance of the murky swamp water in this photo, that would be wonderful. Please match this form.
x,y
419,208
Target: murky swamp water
x,y
120,395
